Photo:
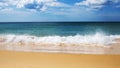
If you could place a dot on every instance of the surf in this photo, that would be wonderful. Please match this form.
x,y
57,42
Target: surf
x,y
93,44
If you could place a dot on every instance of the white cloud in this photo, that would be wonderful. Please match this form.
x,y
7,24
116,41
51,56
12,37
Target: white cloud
x,y
21,3
3,4
96,3
92,3
32,4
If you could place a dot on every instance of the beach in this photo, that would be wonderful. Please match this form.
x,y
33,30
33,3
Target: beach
x,y
59,45
14,59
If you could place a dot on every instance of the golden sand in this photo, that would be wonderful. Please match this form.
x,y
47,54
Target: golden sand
x,y
12,59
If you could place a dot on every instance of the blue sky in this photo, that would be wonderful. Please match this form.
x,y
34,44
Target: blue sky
x,y
59,10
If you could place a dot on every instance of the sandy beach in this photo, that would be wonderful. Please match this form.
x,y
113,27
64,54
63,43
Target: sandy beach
x,y
13,59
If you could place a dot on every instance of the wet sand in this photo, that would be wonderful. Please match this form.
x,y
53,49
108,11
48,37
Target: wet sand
x,y
13,59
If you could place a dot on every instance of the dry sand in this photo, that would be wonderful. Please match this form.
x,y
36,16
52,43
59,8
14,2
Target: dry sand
x,y
13,59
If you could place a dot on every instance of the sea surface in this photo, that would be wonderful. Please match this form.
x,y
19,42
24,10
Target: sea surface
x,y
59,28
66,37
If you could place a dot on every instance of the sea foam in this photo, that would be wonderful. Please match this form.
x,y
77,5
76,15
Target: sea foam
x,y
66,44
97,38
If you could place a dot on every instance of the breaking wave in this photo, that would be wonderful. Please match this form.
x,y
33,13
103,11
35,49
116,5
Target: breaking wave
x,y
97,38
68,44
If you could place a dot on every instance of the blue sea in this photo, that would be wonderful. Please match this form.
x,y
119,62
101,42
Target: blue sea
x,y
59,28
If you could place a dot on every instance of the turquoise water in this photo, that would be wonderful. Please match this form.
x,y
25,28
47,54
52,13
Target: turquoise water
x,y
60,29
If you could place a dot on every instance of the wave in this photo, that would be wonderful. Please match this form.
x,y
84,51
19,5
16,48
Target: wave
x,y
69,43
97,38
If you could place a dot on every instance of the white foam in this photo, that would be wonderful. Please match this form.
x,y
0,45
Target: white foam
x,y
86,44
97,38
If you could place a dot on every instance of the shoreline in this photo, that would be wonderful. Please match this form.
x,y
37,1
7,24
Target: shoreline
x,y
92,44
63,48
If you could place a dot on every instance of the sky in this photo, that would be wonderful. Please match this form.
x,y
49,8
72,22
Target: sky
x,y
59,10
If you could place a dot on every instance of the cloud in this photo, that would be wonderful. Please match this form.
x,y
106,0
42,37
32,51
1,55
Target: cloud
x,y
56,8
39,5
97,4
3,4
115,1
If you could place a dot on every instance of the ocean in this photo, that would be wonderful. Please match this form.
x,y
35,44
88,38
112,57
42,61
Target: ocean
x,y
59,28
54,35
